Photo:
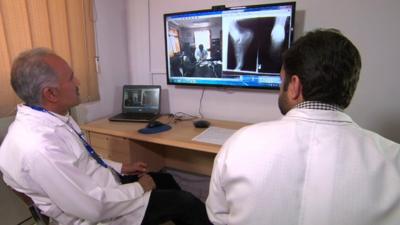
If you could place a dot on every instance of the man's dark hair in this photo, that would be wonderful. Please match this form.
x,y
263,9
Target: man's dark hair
x,y
328,66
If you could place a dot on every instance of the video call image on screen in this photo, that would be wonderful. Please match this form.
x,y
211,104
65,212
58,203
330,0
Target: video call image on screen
x,y
234,47
147,98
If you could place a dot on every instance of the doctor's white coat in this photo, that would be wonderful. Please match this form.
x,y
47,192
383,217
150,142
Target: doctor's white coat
x,y
312,167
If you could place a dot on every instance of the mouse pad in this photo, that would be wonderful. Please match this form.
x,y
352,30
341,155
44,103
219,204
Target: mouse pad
x,y
154,130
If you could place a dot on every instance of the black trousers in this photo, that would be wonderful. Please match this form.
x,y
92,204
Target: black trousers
x,y
168,202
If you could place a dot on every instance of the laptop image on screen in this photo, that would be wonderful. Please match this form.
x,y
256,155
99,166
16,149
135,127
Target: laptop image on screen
x,y
140,103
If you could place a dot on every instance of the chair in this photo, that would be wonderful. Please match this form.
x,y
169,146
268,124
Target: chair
x,y
39,218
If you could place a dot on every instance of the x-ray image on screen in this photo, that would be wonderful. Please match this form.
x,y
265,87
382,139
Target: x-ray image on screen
x,y
150,97
256,44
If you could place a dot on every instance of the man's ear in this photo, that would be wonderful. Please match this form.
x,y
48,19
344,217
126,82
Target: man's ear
x,y
50,94
295,89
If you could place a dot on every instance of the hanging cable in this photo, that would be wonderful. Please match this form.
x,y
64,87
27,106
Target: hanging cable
x,y
200,103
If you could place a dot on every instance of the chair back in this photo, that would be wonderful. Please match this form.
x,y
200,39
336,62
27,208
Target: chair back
x,y
39,218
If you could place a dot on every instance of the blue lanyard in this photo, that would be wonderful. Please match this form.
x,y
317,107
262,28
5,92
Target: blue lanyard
x,y
89,148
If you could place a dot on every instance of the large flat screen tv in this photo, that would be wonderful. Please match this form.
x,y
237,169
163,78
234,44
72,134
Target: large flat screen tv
x,y
230,47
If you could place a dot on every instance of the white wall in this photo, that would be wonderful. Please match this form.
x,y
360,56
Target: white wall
x,y
138,44
111,34
371,25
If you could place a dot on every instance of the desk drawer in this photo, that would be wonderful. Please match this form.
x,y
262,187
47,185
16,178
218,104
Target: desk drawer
x,y
104,153
98,140
125,150
109,142
111,147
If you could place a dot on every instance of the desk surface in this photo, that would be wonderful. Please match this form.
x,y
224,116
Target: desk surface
x,y
179,136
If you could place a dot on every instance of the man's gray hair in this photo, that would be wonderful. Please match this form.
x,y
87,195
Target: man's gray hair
x,y
30,74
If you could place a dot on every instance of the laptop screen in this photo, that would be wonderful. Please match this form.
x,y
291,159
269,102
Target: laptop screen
x,y
141,98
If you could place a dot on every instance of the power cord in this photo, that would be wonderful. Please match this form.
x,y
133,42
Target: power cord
x,y
200,103
180,116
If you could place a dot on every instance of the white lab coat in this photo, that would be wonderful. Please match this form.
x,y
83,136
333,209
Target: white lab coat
x,y
200,55
312,167
42,157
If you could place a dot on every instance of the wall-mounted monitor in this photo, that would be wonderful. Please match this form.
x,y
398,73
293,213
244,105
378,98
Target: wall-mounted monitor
x,y
230,47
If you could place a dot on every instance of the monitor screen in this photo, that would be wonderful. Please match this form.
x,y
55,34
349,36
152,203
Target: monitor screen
x,y
231,47
141,98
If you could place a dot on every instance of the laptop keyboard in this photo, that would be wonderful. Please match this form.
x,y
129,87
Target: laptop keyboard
x,y
138,115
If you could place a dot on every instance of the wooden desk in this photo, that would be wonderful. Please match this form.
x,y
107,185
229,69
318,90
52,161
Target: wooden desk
x,y
121,141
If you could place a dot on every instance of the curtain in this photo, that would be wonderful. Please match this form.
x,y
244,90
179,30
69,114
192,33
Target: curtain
x,y
66,26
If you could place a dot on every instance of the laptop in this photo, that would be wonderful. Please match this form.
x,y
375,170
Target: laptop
x,y
140,103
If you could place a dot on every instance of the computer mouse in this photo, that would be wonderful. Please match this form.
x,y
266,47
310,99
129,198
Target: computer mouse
x,y
154,123
201,123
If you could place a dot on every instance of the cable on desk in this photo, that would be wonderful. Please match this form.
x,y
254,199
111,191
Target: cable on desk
x,y
181,116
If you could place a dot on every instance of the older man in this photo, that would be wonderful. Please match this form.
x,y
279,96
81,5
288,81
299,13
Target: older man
x,y
46,156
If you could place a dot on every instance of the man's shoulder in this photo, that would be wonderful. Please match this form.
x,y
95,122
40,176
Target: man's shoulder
x,y
31,126
379,140
28,135
265,131
266,126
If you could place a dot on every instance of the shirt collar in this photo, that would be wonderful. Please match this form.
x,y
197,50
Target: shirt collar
x,y
318,106
55,118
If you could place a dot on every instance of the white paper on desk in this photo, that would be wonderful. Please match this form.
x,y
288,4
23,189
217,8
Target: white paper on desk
x,y
214,135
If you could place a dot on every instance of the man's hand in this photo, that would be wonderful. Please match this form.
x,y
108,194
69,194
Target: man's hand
x,y
136,168
147,182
